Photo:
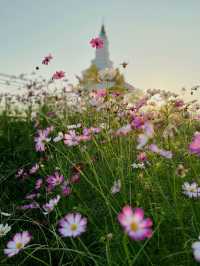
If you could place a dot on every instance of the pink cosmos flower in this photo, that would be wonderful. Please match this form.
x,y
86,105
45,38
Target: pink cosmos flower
x,y
71,139
34,169
47,59
142,141
144,137
42,139
116,187
97,43
123,131
72,225
164,153
138,122
84,138
134,223
20,172
75,178
32,196
58,75
38,183
179,103
19,241
49,206
194,146
101,93
66,190
33,205
148,129
142,157
55,179
95,130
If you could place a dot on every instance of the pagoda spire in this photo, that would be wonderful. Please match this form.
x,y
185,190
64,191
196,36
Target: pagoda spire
x,y
102,58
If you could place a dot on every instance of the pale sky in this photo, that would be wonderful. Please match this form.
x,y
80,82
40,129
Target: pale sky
x,y
159,38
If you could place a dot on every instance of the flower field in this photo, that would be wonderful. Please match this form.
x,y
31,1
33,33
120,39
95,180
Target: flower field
x,y
99,178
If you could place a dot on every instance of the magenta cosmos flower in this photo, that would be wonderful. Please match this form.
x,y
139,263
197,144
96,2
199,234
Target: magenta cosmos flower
x,y
47,59
58,75
72,225
97,43
134,223
194,146
18,243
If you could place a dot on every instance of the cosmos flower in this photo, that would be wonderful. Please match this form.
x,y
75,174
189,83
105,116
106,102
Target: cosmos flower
x,y
33,205
138,165
20,172
194,146
142,157
55,179
179,103
58,75
59,137
143,138
4,229
72,225
137,122
134,224
74,126
191,190
101,93
196,250
75,178
34,169
71,139
154,148
123,131
38,183
48,207
97,43
156,101
66,190
19,241
32,195
116,187
41,140
47,59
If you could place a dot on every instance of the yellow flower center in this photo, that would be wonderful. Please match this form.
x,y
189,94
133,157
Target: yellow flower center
x,y
19,245
73,227
134,226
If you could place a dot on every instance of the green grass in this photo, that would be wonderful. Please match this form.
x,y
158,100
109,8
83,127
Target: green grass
x,y
157,189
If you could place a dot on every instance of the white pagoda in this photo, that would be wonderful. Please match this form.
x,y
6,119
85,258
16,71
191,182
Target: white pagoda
x,y
100,64
102,59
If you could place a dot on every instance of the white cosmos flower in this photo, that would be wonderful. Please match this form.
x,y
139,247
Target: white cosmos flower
x,y
59,137
19,241
72,225
196,250
138,165
4,229
116,187
191,190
